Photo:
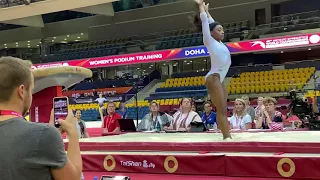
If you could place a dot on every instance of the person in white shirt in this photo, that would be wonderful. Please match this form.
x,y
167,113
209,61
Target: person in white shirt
x,y
213,34
240,119
182,119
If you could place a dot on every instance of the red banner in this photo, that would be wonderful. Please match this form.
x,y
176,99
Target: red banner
x,y
266,44
272,166
119,90
159,164
246,165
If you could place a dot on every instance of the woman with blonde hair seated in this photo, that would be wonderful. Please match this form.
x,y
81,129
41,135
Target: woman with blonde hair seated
x,y
183,118
240,119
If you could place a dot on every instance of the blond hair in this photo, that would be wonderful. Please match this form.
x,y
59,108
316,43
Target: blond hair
x,y
244,110
269,100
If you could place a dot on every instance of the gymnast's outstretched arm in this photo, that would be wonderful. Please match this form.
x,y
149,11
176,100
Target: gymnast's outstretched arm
x,y
206,8
205,25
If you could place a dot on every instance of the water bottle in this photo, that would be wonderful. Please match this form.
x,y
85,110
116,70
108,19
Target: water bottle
x,y
158,127
215,126
96,178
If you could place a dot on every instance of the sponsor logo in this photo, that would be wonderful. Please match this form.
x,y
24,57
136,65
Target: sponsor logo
x,y
144,164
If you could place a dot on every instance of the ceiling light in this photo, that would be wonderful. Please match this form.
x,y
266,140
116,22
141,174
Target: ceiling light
x,y
81,34
54,37
309,49
38,45
164,64
52,40
5,44
138,68
28,44
76,40
68,35
40,42
78,37
150,67
188,63
65,39
5,47
17,43
28,41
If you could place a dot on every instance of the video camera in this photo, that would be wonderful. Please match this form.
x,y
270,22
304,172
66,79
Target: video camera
x,y
300,107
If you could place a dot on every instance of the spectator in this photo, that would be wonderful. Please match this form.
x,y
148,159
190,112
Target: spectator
x,y
123,111
270,115
240,118
259,108
194,108
183,118
82,129
155,120
250,109
209,117
110,123
43,154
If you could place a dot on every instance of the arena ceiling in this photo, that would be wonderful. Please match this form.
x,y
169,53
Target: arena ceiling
x,y
30,15
131,23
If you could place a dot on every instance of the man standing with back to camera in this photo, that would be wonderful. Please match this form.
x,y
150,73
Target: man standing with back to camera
x,y
32,151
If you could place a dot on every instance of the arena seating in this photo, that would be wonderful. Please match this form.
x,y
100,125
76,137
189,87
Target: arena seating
x,y
9,3
89,49
186,38
270,81
89,112
291,22
166,105
179,88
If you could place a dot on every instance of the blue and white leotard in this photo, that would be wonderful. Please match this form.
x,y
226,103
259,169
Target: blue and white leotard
x,y
219,53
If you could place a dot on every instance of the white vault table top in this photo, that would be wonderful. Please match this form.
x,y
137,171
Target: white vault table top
x,y
291,136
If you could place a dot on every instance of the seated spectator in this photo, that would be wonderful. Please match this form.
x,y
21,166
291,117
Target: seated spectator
x,y
194,108
240,118
259,108
270,116
182,119
155,120
123,111
81,126
209,117
110,123
250,109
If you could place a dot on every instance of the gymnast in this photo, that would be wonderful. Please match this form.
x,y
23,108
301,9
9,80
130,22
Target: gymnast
x,y
220,57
